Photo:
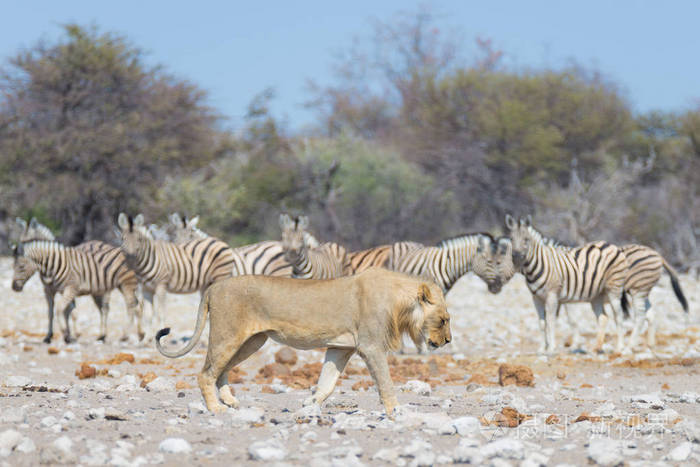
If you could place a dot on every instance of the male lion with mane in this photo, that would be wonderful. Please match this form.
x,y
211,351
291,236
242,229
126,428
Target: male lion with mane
x,y
367,313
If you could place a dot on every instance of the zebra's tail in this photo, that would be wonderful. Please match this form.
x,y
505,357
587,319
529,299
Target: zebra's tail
x,y
625,305
201,320
676,284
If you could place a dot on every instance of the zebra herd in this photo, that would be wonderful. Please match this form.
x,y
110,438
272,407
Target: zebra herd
x,y
189,260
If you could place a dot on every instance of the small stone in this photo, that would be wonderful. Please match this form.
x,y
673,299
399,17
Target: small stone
x,y
248,415
605,452
681,452
504,447
286,356
26,446
467,453
467,426
268,450
309,437
161,384
96,413
389,455
48,421
17,381
418,387
174,446
9,439
196,408
13,415
59,452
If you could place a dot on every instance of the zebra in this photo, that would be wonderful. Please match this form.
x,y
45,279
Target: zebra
x,y
169,267
183,229
593,273
108,257
327,261
450,259
89,270
644,268
383,256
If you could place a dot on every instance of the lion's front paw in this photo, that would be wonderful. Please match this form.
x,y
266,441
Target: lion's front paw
x,y
228,398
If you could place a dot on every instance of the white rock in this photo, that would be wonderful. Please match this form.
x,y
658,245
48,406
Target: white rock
x,y
604,451
58,452
386,455
681,452
13,415
535,459
174,446
17,381
128,379
9,439
467,426
416,447
196,408
26,446
447,429
504,447
68,415
344,421
468,452
48,421
417,387
280,388
309,437
96,413
64,443
248,415
689,397
268,450
652,401
161,384
101,385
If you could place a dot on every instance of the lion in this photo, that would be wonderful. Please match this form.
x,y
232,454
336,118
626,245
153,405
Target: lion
x,y
367,313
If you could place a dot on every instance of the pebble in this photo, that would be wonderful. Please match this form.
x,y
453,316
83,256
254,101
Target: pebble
x,y
418,387
174,446
468,452
48,421
604,451
9,440
681,452
17,381
248,415
467,426
387,455
13,415
161,384
268,450
644,401
504,447
58,452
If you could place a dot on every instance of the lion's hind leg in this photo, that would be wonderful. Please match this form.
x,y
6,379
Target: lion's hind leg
x,y
219,357
248,348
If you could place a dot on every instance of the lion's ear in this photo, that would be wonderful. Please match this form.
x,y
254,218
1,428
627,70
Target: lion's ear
x,y
424,294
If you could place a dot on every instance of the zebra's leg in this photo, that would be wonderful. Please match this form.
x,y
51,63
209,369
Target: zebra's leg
x,y
576,340
250,346
539,306
333,365
135,308
102,302
65,306
551,307
602,320
640,316
652,324
49,293
159,306
614,299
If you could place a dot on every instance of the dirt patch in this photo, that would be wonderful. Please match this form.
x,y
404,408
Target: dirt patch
x,y
509,417
86,371
147,378
520,375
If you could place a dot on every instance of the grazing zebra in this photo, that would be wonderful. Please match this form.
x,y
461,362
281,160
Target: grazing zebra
x,y
593,273
91,269
169,267
383,256
326,261
644,268
450,259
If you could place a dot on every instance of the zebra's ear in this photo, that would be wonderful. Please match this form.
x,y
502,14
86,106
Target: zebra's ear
x,y
192,223
21,223
303,222
285,221
510,222
175,219
123,221
138,220
483,244
527,222
33,223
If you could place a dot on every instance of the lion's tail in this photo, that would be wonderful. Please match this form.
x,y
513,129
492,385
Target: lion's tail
x,y
201,319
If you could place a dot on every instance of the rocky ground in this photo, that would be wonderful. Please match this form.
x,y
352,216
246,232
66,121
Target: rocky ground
x,y
123,403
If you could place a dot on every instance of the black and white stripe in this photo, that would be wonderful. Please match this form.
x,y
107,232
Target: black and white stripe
x,y
326,261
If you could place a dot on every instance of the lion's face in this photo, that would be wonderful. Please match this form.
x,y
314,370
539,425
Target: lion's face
x,y
436,321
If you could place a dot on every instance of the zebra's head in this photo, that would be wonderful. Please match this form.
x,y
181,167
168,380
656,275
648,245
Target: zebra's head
x,y
33,230
133,233
483,264
522,238
502,259
23,268
183,230
293,238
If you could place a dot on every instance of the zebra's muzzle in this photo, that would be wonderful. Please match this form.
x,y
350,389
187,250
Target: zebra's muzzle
x,y
518,258
17,285
495,286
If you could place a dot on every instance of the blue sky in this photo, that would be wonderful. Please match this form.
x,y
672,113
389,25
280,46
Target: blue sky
x,y
236,49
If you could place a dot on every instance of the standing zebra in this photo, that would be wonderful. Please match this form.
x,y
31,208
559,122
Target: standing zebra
x,y
327,261
169,267
644,268
383,256
110,272
593,273
75,272
450,259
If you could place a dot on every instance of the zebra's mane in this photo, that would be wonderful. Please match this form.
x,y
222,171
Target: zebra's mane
x,y
452,240
547,241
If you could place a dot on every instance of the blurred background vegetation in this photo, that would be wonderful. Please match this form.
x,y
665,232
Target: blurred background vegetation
x,y
411,141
